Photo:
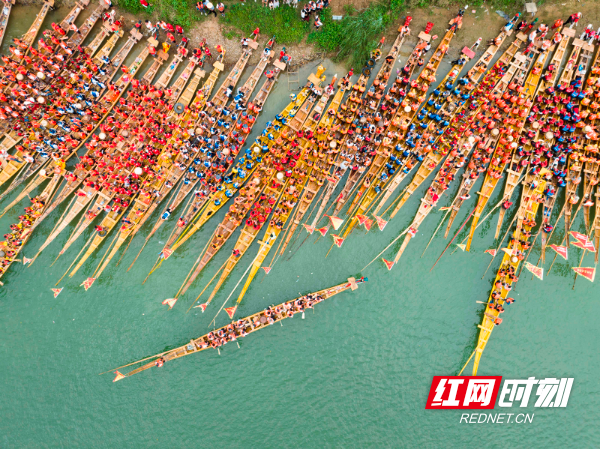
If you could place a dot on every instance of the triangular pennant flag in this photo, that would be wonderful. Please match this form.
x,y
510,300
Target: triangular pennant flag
x,y
587,245
388,263
119,376
166,253
323,231
561,250
508,251
230,311
361,219
309,229
26,260
56,291
491,251
87,283
587,272
337,240
170,302
267,269
538,272
461,246
380,223
202,306
580,237
368,223
336,222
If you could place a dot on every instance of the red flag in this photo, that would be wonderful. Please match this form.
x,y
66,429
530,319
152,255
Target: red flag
x,y
380,222
309,229
361,219
561,250
587,245
491,251
323,231
267,269
202,306
231,311
88,283
368,223
26,260
580,237
56,291
337,240
167,253
587,272
170,302
119,376
538,272
445,208
336,222
388,263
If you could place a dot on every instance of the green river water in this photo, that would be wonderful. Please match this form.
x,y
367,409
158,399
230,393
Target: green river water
x,y
355,373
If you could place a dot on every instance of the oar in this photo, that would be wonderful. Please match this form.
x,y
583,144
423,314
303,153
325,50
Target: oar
x,y
205,287
581,260
450,242
463,368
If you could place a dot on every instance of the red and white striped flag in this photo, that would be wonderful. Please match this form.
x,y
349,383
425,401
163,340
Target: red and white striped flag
x,y
561,250
587,272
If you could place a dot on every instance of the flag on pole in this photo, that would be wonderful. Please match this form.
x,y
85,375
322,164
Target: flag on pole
x,y
368,223
587,272
119,376
561,250
323,231
56,291
361,219
580,237
337,240
26,260
380,222
267,269
202,306
170,302
166,253
231,311
461,246
336,222
310,229
508,251
587,245
492,251
538,272
388,263
87,283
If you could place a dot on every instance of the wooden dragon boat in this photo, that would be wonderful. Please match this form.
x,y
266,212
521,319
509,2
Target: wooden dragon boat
x,y
528,140
29,37
387,107
242,327
506,278
4,16
177,173
517,165
504,152
135,218
400,129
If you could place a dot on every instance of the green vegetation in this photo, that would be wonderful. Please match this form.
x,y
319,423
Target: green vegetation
x,y
180,12
284,22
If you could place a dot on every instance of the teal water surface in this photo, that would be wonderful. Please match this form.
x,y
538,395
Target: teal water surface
x,y
355,373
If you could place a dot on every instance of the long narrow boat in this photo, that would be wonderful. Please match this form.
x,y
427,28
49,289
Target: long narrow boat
x,y
4,16
506,278
400,130
244,326
29,37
